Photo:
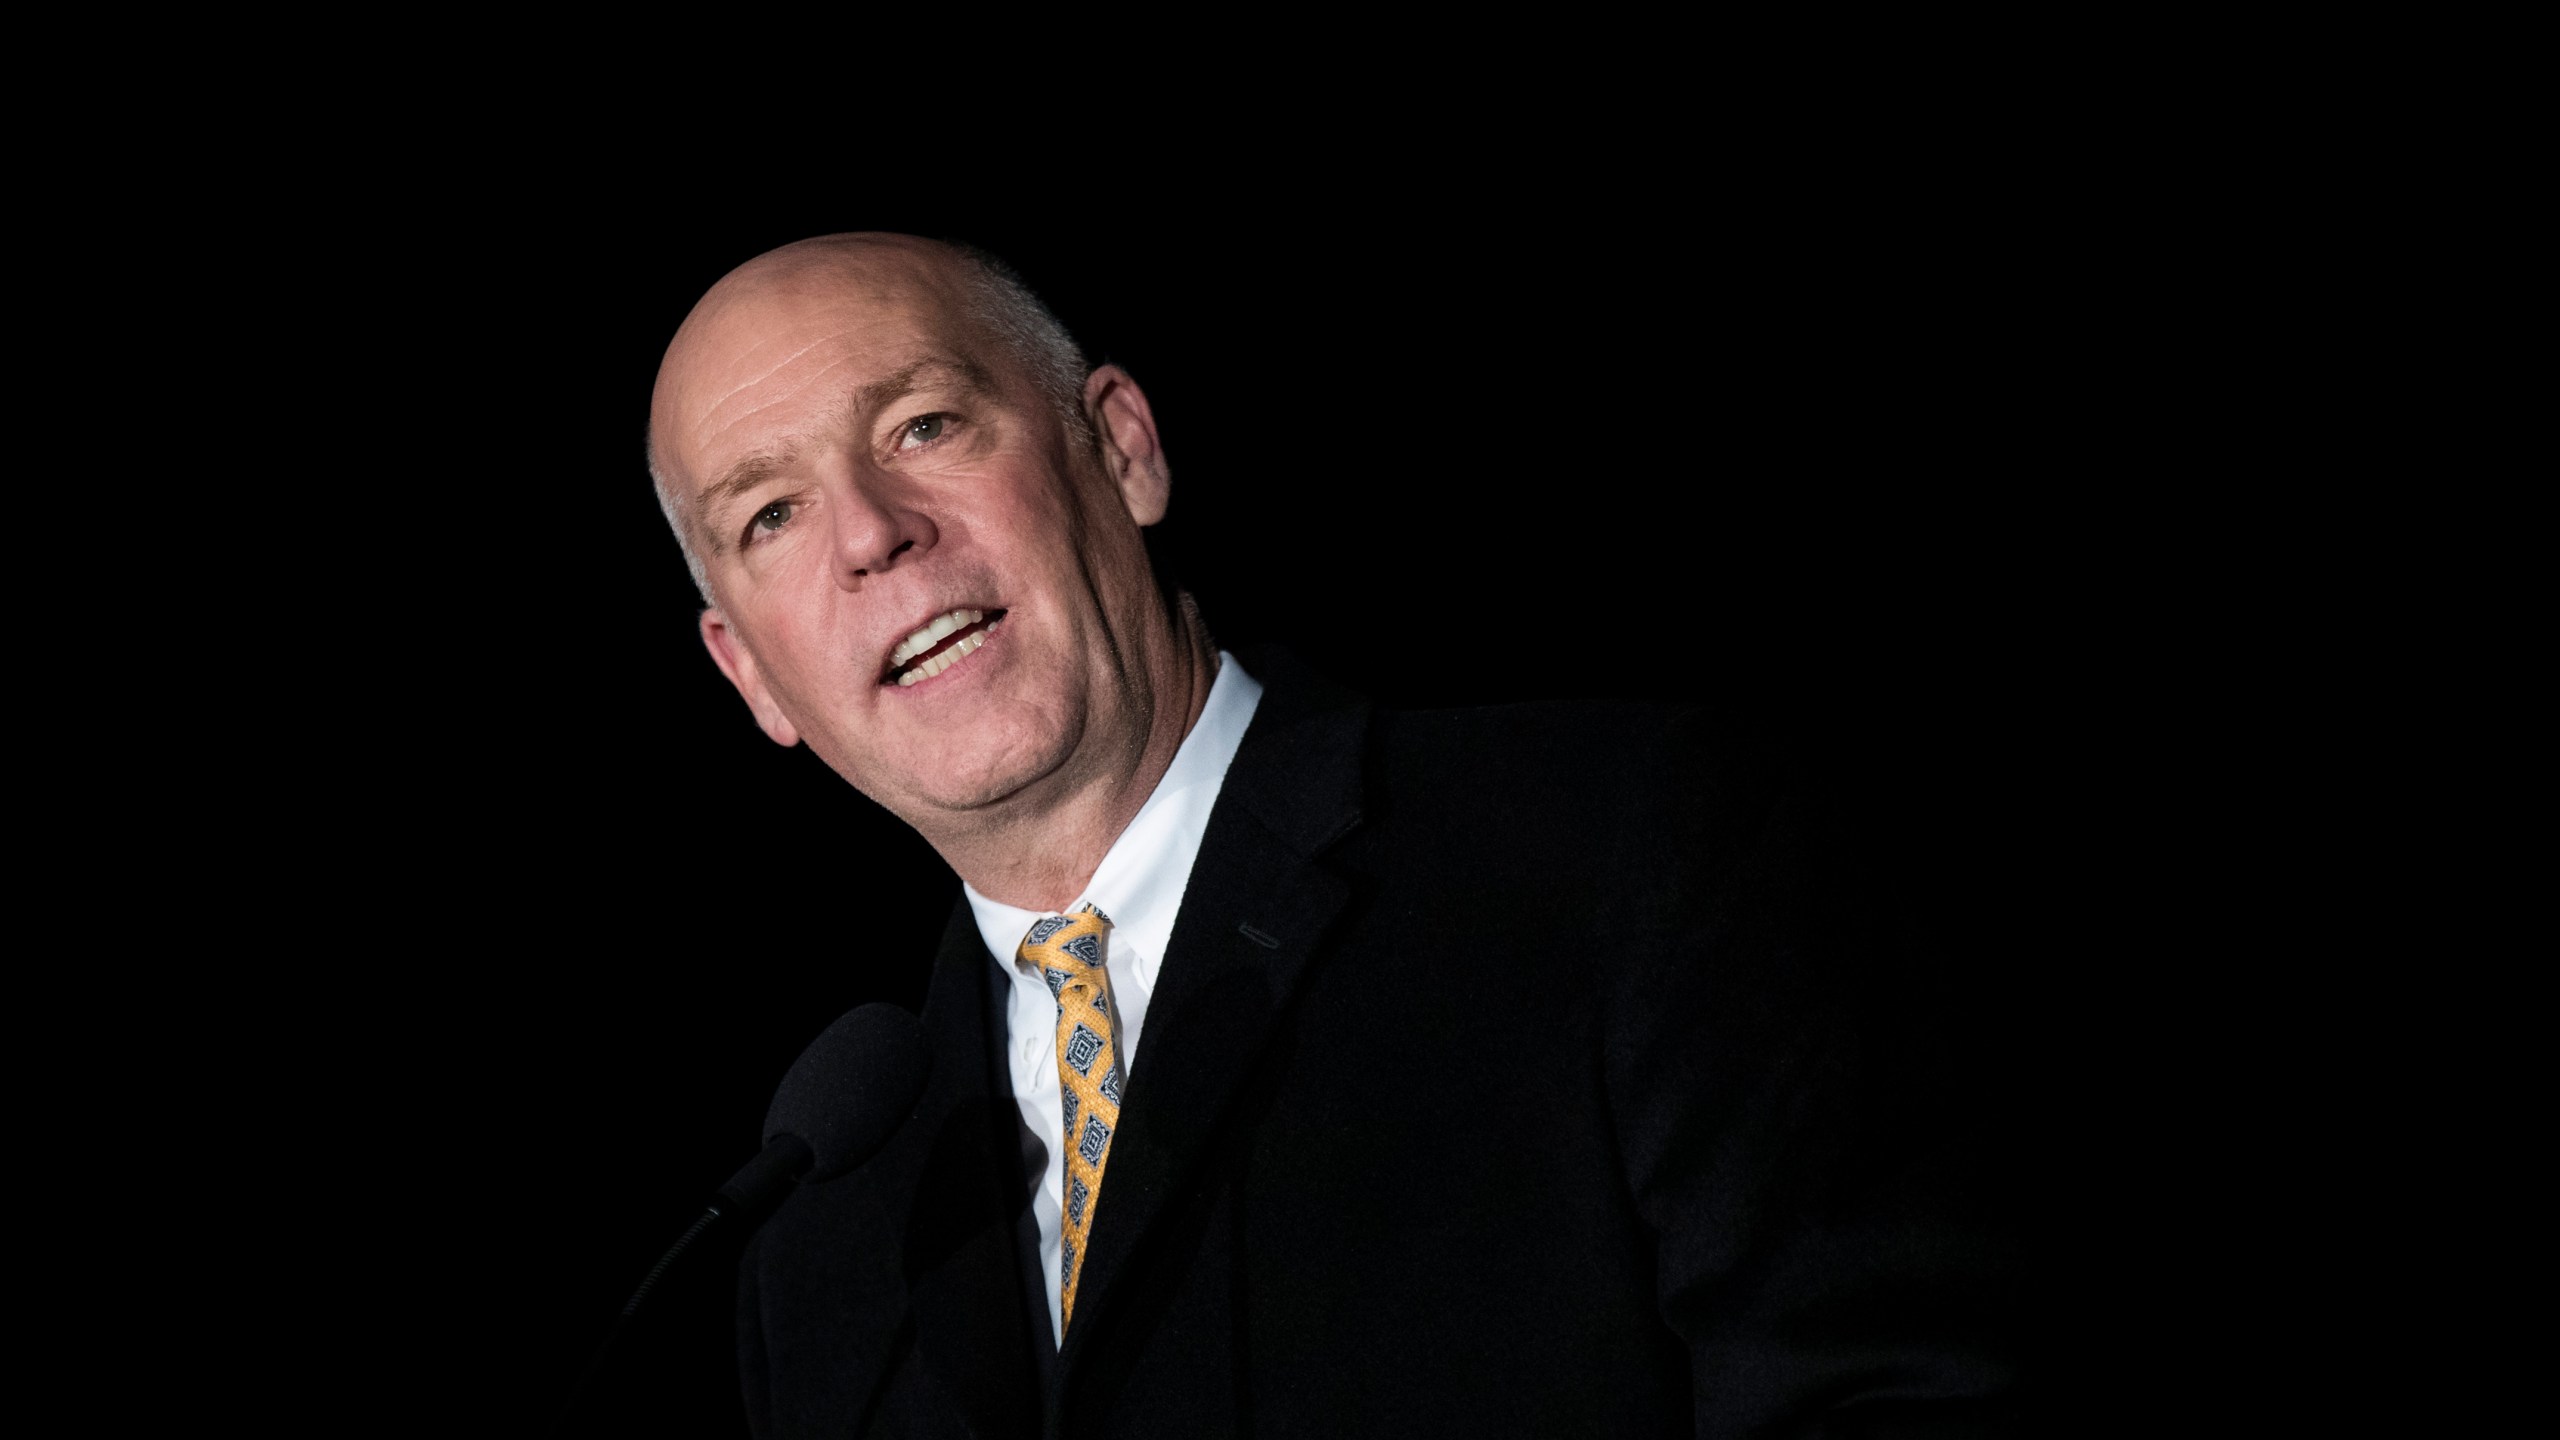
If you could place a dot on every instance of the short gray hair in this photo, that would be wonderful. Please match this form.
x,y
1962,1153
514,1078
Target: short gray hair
x,y
997,302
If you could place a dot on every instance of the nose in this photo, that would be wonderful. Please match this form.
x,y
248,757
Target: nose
x,y
876,526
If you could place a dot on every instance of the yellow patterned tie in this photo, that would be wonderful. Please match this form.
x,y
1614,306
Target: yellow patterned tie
x,y
1068,950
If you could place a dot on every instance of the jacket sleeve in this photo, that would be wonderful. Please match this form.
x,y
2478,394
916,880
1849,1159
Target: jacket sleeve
x,y
1828,1248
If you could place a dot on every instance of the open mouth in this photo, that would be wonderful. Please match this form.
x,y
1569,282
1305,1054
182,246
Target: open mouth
x,y
948,640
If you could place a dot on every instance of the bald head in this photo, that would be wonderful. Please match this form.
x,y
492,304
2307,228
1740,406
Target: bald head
x,y
919,526
761,317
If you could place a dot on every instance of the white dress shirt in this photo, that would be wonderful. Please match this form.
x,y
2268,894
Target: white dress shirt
x,y
1139,885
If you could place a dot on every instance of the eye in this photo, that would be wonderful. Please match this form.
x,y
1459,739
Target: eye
x,y
773,516
923,430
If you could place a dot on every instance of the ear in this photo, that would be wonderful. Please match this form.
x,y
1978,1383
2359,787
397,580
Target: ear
x,y
1131,451
739,663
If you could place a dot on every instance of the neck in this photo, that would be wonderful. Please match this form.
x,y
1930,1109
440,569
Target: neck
x,y
1042,858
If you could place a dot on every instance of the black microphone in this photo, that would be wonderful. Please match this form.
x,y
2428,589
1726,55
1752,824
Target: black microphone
x,y
841,1102
843,1099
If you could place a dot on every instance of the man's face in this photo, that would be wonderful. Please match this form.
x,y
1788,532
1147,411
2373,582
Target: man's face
x,y
870,472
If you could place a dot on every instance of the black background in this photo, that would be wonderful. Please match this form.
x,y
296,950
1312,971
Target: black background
x,y
1789,445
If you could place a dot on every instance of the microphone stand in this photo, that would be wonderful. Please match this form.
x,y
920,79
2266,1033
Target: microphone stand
x,y
763,1181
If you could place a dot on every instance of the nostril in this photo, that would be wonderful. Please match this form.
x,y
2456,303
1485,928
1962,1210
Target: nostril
x,y
903,547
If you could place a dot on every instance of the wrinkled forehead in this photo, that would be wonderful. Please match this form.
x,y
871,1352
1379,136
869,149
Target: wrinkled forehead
x,y
779,341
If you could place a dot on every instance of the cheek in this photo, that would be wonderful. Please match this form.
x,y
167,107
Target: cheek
x,y
790,652
1016,496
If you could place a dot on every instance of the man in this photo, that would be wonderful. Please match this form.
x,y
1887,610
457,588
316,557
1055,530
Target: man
x,y
1298,1069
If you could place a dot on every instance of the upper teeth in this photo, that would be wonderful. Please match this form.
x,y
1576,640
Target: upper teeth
x,y
931,635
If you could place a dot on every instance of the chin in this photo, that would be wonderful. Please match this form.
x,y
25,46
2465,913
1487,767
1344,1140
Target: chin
x,y
960,784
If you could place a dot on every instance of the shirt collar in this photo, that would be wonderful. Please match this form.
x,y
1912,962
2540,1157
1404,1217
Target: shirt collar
x,y
1140,881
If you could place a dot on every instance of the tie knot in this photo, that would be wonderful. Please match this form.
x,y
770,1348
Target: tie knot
x,y
1067,940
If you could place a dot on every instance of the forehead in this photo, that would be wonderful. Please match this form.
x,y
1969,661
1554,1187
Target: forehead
x,y
771,353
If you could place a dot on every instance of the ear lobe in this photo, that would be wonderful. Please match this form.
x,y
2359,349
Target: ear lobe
x,y
739,664
1131,449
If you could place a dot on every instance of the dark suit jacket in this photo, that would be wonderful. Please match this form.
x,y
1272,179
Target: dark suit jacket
x,y
1507,1075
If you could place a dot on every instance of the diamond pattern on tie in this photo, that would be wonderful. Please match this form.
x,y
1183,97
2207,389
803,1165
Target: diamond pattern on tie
x,y
1068,950
1083,1048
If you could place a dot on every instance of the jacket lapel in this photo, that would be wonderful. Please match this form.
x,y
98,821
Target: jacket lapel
x,y
1253,914
961,1260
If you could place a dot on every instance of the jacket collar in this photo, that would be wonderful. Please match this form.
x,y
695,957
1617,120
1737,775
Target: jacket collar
x,y
1254,914
961,1259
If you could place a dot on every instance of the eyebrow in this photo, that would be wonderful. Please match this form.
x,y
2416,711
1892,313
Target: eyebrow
x,y
960,372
